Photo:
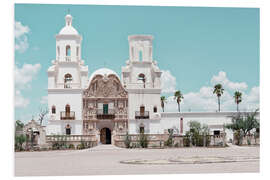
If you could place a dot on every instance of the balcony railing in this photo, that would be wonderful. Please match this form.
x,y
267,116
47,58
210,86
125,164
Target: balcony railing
x,y
68,58
67,115
101,114
141,115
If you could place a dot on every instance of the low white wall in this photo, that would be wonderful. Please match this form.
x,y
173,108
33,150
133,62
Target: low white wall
x,y
214,120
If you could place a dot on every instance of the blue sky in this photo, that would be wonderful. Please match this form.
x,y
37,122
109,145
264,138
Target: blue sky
x,y
196,47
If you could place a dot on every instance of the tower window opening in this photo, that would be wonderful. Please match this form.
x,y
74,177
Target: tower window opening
x,y
142,78
53,110
67,80
140,55
68,50
77,51
58,51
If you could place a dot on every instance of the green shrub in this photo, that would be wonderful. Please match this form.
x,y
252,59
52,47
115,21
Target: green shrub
x,y
169,141
143,141
71,146
127,141
248,142
80,146
186,140
19,140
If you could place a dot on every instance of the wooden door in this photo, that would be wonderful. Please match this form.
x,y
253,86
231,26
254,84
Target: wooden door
x,y
103,136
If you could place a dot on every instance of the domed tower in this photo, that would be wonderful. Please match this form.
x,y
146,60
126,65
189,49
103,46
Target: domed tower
x,y
141,78
67,77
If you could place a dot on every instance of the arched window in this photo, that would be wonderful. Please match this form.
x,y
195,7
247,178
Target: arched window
x,y
155,109
58,51
68,130
142,109
141,77
53,110
68,50
67,80
77,51
140,55
67,108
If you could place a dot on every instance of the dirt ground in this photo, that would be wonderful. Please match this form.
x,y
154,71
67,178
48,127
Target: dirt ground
x,y
105,160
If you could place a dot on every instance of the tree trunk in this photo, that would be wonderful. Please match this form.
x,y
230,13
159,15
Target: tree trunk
x,y
179,107
218,104
237,107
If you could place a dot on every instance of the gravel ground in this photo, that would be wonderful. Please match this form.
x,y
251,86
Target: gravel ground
x,y
105,160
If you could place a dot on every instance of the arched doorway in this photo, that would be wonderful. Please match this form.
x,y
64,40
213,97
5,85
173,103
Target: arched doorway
x,y
105,136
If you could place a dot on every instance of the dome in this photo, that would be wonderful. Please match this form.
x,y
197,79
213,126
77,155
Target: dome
x,y
68,29
103,72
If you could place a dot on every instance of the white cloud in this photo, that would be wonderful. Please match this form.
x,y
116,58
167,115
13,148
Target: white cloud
x,y
44,100
222,79
21,40
23,78
25,74
168,82
205,100
20,101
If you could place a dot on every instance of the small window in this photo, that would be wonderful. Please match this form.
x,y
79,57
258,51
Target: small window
x,y
217,133
77,51
141,129
142,109
67,108
68,131
155,109
68,50
105,108
58,51
257,130
53,110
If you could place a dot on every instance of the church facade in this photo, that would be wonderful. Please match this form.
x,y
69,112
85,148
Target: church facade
x,y
105,105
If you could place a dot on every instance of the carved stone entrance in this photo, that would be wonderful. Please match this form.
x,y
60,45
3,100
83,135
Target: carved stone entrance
x,y
105,136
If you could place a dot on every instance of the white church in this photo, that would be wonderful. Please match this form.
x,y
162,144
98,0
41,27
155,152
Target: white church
x,y
105,104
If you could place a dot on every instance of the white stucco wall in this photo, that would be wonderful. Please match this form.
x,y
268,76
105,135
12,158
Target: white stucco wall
x,y
214,120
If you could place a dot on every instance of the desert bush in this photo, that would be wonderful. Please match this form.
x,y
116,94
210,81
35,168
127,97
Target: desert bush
x,y
169,141
143,141
127,141
71,146
19,140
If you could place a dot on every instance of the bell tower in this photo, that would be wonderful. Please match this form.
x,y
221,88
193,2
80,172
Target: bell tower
x,y
67,77
141,77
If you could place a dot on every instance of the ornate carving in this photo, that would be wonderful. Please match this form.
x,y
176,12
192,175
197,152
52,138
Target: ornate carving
x,y
107,89
107,86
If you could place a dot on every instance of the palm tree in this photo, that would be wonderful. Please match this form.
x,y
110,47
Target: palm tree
x,y
178,96
238,98
163,100
218,90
